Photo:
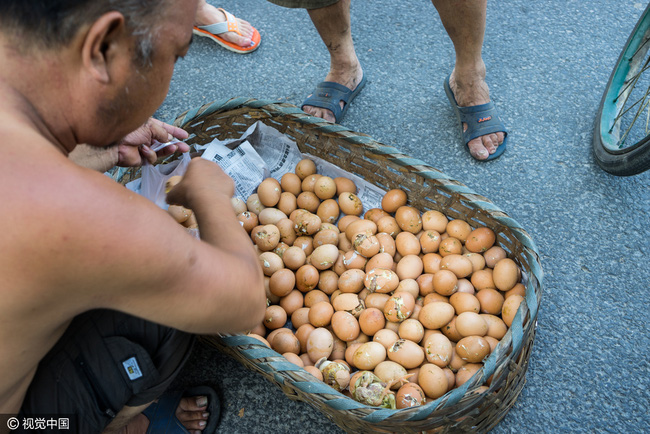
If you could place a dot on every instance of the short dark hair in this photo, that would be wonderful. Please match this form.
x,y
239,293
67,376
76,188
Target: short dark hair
x,y
47,24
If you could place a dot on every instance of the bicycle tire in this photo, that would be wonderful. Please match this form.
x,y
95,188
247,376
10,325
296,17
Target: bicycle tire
x,y
635,158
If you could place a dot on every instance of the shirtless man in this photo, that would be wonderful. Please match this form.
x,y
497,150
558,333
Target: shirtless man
x,y
77,245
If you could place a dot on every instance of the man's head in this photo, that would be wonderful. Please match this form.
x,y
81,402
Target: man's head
x,y
52,24
103,65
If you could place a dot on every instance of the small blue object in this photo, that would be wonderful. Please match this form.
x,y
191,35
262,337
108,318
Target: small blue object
x,y
329,94
162,414
480,119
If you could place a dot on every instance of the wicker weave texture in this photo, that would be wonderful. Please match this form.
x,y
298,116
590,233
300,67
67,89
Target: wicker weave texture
x,y
460,410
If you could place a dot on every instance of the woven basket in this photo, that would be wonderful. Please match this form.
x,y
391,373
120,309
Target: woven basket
x,y
460,410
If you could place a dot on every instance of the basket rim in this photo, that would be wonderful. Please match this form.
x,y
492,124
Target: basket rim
x,y
529,249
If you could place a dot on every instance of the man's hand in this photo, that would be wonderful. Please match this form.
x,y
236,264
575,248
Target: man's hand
x,y
203,183
136,146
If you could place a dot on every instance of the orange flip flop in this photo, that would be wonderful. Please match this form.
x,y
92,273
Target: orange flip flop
x,y
213,31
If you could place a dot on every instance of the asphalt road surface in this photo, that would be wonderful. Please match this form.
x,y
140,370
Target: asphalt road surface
x,y
547,62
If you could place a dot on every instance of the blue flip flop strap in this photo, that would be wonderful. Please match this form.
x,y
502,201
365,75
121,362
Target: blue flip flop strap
x,y
481,120
327,95
162,415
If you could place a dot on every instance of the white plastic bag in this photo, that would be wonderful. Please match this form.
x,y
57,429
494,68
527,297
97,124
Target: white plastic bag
x,y
153,179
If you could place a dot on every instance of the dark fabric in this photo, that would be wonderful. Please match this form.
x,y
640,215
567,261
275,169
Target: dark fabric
x,y
304,4
104,361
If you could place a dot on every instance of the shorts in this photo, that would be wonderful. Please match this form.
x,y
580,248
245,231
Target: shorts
x,y
304,4
104,361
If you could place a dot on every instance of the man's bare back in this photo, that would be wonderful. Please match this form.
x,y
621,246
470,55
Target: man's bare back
x,y
75,240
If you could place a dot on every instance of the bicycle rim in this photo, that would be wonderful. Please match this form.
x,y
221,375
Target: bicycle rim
x,y
622,136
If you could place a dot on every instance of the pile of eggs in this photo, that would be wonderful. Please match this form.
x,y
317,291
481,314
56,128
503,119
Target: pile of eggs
x,y
392,307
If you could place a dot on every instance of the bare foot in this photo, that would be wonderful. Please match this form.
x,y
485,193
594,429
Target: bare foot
x,y
207,14
470,89
349,78
191,412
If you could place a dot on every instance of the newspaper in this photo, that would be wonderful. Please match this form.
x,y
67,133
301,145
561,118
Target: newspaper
x,y
262,152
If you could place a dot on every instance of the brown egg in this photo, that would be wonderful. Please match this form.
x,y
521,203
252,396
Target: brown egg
x,y
307,278
345,326
409,285
326,236
328,281
436,315
391,373
409,267
464,302
291,183
371,320
351,281
493,255
518,289
408,219
248,220
367,245
287,234
393,199
492,341
480,240
309,201
292,302
482,279
459,229
466,372
294,257
353,259
473,349
386,243
434,220
411,329
471,324
445,282
389,225
300,317
429,241
496,326
294,358
450,331
306,243
491,300
324,257
309,365
269,192
409,395
407,243
456,362
350,204
325,188
348,302
375,214
506,274
458,264
376,300
286,343
399,307
345,221
369,355
315,296
407,353
386,337
466,286
305,167
425,284
380,260
320,343
338,352
306,223
438,349
477,260
381,280
432,380
344,244
253,203
344,185
450,246
238,205
509,309
360,226
328,211
275,317
302,333
282,282
431,262
287,203
433,298
270,263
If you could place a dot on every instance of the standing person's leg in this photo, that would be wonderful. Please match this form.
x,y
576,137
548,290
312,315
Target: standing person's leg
x,y
464,21
210,21
333,25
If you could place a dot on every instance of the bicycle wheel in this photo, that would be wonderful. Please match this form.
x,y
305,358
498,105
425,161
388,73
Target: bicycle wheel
x,y
621,142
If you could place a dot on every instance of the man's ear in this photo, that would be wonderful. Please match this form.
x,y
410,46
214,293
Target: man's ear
x,y
101,45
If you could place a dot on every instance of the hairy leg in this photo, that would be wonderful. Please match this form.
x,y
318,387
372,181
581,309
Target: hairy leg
x,y
333,25
464,21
